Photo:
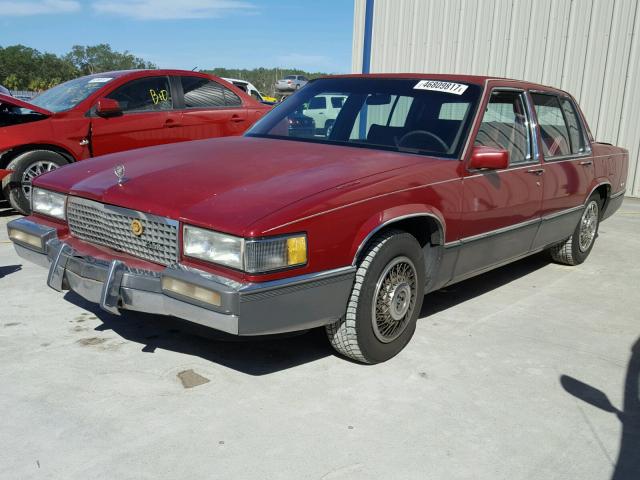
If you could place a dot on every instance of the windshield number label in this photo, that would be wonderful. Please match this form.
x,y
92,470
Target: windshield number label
x,y
438,86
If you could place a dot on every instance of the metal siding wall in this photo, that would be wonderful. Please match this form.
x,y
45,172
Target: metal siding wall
x,y
591,48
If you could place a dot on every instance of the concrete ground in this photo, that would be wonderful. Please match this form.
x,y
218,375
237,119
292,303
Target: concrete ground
x,y
507,377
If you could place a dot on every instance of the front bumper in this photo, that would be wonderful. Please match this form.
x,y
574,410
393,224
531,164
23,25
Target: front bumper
x,y
291,304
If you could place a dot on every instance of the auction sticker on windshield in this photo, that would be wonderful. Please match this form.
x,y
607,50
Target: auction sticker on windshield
x,y
100,79
438,86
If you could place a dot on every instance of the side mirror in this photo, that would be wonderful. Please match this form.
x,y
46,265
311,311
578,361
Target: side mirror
x,y
108,107
488,157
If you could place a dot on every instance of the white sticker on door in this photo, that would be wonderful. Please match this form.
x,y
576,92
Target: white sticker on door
x,y
438,86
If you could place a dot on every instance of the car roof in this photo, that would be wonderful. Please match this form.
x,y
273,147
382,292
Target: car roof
x,y
141,72
473,79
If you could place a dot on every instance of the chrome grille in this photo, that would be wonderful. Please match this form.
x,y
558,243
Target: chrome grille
x,y
108,225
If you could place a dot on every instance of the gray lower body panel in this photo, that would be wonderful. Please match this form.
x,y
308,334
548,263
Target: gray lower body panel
x,y
287,305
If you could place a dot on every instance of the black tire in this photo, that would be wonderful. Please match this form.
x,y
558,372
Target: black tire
x,y
578,246
13,185
358,335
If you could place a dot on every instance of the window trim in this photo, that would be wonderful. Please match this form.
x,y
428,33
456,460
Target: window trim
x,y
572,156
531,124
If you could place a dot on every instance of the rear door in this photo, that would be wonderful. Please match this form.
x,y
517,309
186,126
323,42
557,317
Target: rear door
x,y
209,109
146,106
568,165
501,208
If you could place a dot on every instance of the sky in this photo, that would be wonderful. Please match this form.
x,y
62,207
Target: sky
x,y
314,35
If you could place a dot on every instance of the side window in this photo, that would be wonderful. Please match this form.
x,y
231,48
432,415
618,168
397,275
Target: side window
x,y
202,93
317,103
576,135
553,128
256,95
337,102
144,95
505,125
231,99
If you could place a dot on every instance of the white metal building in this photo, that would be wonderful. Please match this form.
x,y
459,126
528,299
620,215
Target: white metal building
x,y
590,48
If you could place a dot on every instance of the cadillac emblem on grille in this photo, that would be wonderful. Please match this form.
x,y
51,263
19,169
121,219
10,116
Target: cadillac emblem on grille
x,y
137,228
139,234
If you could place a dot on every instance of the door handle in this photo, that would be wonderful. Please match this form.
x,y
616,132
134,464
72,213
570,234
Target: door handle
x,y
586,163
170,123
536,171
237,118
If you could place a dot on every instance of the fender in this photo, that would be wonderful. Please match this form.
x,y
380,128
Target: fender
x,y
387,217
595,184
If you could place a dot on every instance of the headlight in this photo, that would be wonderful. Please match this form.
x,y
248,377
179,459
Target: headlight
x,y
48,203
275,253
252,256
213,246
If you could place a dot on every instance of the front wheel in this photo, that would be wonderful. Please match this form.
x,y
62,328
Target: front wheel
x,y
385,301
577,247
25,167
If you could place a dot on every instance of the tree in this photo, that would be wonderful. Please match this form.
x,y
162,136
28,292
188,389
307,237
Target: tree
x,y
11,82
101,58
264,79
21,65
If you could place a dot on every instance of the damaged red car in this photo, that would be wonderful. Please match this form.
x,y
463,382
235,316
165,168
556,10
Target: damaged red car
x,y
111,112
421,182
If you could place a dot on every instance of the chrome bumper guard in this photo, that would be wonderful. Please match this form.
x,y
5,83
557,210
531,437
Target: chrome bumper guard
x,y
292,304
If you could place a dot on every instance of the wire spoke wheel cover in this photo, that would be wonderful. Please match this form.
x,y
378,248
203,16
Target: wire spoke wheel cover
x,y
394,299
588,226
34,170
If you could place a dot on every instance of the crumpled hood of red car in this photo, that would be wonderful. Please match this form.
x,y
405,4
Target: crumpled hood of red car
x,y
226,184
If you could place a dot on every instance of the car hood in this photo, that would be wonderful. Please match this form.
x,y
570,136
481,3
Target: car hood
x,y
15,102
227,183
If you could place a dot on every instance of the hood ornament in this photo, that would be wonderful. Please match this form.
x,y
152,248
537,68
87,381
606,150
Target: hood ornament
x,y
119,171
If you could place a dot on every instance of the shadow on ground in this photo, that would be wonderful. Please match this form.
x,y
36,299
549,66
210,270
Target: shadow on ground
x,y
9,269
250,355
6,210
269,354
628,463
474,287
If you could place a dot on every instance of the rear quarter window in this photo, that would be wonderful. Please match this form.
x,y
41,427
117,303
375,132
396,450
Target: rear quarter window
x,y
552,124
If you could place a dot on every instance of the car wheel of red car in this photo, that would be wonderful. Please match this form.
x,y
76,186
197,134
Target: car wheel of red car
x,y
25,167
385,300
577,247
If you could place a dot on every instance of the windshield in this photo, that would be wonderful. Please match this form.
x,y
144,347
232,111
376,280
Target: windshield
x,y
68,94
408,115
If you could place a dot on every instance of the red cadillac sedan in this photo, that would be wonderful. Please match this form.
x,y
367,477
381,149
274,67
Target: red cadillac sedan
x,y
421,182
110,112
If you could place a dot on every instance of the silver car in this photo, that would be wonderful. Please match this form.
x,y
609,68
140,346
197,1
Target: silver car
x,y
291,82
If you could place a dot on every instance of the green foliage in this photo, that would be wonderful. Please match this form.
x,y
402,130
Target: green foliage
x,y
264,79
100,58
24,68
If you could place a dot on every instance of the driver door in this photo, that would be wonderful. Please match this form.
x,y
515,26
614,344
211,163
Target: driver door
x,y
146,118
501,208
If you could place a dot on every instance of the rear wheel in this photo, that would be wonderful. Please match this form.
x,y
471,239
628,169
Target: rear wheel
x,y
577,247
25,167
385,301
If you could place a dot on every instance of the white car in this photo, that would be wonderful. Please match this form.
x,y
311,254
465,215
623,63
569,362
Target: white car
x,y
250,89
324,109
